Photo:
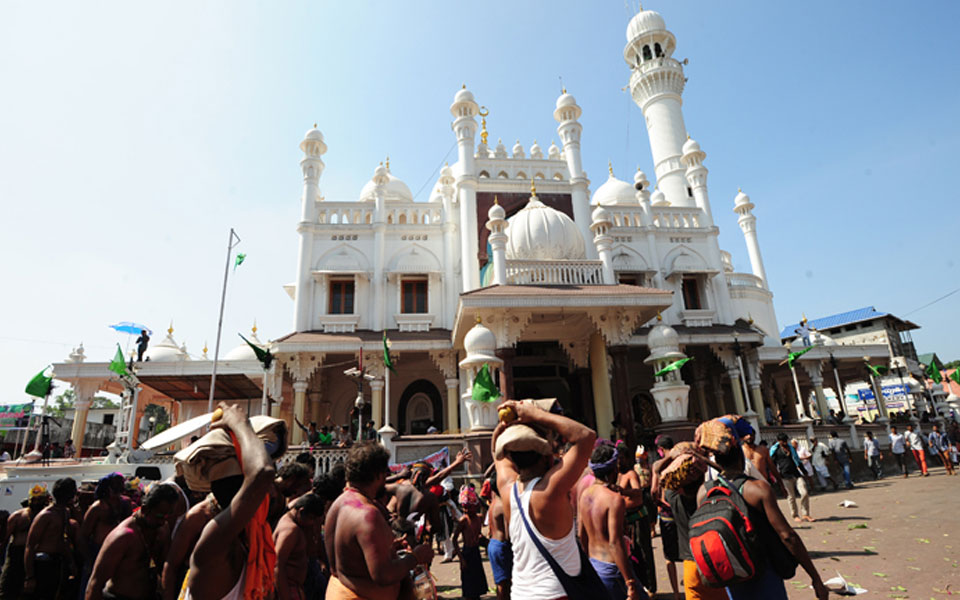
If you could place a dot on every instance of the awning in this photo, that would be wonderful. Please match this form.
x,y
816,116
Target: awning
x,y
230,386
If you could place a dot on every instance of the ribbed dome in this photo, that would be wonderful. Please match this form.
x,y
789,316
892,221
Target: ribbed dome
x,y
480,340
166,350
539,232
395,190
244,351
691,146
614,192
664,343
645,22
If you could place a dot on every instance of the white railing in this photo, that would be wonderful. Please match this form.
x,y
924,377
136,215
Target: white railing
x,y
625,216
744,280
362,213
555,272
697,318
676,217
324,458
345,213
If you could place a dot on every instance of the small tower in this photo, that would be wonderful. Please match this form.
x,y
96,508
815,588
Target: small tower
x,y
748,223
567,114
311,164
481,346
464,111
656,85
669,391
381,176
497,224
604,243
696,175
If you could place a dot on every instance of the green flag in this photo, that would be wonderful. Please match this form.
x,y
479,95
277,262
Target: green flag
x,y
674,366
386,353
40,385
264,356
239,261
933,372
118,365
955,375
793,356
484,389
878,371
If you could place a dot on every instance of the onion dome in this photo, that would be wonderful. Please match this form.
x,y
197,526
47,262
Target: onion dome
x,y
742,201
553,153
657,198
614,192
691,146
566,99
664,342
313,143
496,212
567,109
518,150
166,350
536,151
244,351
481,346
600,215
446,175
640,180
538,232
645,21
394,189
463,95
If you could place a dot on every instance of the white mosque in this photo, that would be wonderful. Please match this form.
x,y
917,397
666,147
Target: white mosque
x,y
565,289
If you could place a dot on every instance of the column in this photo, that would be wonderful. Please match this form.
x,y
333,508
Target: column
x,y
506,371
453,404
316,405
602,398
77,432
700,385
299,409
275,408
815,371
738,404
621,391
312,166
376,402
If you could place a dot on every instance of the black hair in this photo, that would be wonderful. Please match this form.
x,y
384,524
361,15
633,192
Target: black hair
x,y
524,459
366,461
293,471
781,437
306,459
311,504
833,434
665,442
869,434
159,494
602,454
732,459
225,488
64,490
111,483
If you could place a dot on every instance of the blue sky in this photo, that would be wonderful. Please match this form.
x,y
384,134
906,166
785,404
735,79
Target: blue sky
x,y
134,135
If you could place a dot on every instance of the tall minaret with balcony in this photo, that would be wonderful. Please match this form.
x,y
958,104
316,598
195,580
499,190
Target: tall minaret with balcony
x,y
656,84
313,148
464,110
748,223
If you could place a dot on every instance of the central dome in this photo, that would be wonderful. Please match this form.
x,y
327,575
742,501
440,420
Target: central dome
x,y
395,190
539,232
614,192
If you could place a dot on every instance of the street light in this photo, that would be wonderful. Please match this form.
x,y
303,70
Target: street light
x,y
153,423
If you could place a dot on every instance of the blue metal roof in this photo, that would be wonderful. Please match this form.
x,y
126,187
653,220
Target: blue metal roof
x,y
854,316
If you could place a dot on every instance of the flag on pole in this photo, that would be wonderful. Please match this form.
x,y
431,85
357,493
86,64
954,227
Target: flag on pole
x,y
878,371
386,353
933,372
40,385
484,389
955,375
793,356
674,366
239,261
118,365
263,355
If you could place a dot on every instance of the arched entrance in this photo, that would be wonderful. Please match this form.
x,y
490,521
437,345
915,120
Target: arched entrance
x,y
421,406
542,370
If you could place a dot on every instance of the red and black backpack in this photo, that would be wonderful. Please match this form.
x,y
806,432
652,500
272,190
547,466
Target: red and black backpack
x,y
724,542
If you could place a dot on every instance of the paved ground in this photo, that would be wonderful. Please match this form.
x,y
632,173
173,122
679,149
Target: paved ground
x,y
902,542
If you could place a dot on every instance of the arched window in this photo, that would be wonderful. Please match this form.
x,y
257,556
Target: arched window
x,y
558,176
647,55
420,406
521,175
484,175
657,50
502,175
402,219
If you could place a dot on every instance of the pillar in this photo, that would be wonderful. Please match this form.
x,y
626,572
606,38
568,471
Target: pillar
x,y
299,409
463,110
700,385
569,129
377,283
815,371
621,392
275,409
77,432
600,380
453,404
376,402
756,394
506,371
738,403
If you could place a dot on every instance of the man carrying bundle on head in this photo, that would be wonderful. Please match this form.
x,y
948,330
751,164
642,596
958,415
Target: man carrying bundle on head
x,y
601,526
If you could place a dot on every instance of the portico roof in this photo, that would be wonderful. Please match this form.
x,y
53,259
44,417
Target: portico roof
x,y
319,341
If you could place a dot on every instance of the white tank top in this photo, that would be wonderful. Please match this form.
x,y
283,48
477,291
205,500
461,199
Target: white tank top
x,y
533,579
235,594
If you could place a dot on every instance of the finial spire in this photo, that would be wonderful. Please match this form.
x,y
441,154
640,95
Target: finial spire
x,y
388,162
463,86
253,329
659,316
496,200
533,188
483,124
314,125
610,167
170,329
479,320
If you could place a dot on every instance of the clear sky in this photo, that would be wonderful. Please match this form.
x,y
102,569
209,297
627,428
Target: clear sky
x,y
134,135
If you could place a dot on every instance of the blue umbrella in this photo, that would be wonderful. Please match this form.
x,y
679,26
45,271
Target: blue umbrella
x,y
130,327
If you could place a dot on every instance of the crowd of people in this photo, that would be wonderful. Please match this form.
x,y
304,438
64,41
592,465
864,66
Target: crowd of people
x,y
558,513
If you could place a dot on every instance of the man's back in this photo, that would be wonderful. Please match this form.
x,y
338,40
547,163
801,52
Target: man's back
x,y
351,520
596,504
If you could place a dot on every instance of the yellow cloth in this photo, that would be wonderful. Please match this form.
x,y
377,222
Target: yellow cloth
x,y
338,591
695,589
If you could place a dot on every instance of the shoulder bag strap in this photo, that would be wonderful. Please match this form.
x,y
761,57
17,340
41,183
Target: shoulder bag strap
x,y
557,570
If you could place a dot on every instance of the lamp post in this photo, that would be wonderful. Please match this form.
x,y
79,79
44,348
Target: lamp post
x,y
153,423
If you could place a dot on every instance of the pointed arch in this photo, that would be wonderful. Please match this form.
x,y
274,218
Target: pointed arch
x,y
484,175
502,175
521,175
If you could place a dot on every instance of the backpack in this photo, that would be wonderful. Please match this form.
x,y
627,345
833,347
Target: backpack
x,y
724,543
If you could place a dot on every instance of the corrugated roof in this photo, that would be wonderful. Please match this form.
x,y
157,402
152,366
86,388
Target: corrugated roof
x,y
854,316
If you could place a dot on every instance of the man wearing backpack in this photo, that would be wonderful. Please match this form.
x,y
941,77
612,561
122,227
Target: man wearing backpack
x,y
772,533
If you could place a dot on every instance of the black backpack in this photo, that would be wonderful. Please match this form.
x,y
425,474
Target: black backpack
x,y
724,542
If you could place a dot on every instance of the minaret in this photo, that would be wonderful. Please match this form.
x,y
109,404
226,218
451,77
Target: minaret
x,y
748,223
450,255
656,85
567,114
497,223
313,148
696,175
603,242
380,178
464,109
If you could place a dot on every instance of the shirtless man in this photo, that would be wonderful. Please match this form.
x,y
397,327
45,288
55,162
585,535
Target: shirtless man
x,y
11,581
473,581
48,558
638,525
122,570
526,467
181,546
414,496
218,563
360,546
291,539
100,519
498,548
760,458
601,523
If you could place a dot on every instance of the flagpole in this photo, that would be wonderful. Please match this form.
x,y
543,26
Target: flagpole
x,y
43,411
223,300
263,399
800,400
386,397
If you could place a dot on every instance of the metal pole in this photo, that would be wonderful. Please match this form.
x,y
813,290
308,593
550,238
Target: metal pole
x,y
133,427
386,397
43,413
223,300
263,398
842,397
800,400
743,384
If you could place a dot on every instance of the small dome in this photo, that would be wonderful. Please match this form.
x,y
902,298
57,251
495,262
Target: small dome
x,y
742,201
600,215
553,152
496,212
535,150
727,261
464,95
394,190
691,146
657,198
640,178
313,143
664,342
166,350
480,341
501,150
244,351
565,100
446,175
518,150
539,232
644,22
314,135
614,192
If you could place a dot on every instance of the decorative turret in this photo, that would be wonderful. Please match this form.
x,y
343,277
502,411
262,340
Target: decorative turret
x,y
553,153
696,175
464,110
501,150
311,164
748,224
497,224
518,150
669,391
569,129
536,152
600,226
481,346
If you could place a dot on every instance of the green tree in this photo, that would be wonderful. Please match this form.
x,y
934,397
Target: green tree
x,y
62,403
103,402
